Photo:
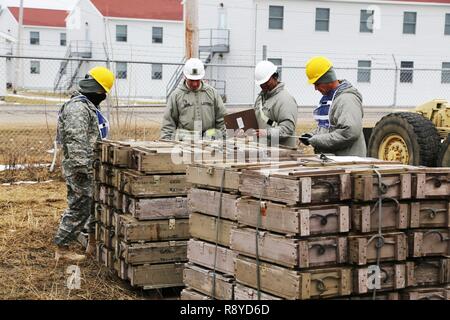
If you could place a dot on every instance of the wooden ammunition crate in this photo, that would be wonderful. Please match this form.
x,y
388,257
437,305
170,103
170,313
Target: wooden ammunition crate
x,y
202,280
294,253
428,272
365,217
302,221
363,249
435,293
242,292
204,227
394,185
432,183
290,284
104,214
104,235
140,185
159,160
105,256
132,230
153,252
430,214
393,277
156,276
156,208
204,253
301,185
207,202
189,294
433,242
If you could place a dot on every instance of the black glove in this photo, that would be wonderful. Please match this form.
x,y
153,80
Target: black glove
x,y
305,139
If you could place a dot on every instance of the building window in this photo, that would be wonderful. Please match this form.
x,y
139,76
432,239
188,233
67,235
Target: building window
x,y
366,21
121,33
277,62
409,22
121,70
35,67
322,19
157,71
364,70
34,37
447,24
445,76
406,71
157,35
276,15
62,39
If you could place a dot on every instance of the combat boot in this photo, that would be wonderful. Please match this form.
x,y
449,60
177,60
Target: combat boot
x,y
91,247
64,253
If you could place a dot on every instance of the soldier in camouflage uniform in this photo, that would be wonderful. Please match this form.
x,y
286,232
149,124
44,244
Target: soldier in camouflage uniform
x,y
80,126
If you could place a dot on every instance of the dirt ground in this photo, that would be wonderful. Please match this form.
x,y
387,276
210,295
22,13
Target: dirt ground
x,y
29,217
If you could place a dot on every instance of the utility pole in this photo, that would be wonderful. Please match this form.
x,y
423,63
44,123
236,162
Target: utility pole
x,y
191,28
18,51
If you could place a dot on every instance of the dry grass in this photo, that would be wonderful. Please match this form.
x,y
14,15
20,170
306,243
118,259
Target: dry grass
x,y
29,217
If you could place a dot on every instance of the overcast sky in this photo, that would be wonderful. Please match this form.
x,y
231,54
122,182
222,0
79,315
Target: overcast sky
x,y
53,4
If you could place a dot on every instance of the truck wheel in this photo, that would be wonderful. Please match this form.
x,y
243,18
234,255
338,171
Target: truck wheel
x,y
443,159
406,137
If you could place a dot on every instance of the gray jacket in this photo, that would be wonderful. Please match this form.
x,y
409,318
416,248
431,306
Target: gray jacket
x,y
279,106
185,106
345,136
78,133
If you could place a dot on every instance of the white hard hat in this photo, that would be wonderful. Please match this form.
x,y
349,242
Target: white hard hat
x,y
263,71
194,69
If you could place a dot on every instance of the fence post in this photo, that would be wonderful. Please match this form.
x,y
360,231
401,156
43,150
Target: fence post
x,y
394,102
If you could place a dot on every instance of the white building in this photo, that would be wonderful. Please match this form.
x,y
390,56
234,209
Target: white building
x,y
43,35
369,39
137,30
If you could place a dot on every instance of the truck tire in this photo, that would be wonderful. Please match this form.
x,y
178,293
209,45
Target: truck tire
x,y
443,159
406,137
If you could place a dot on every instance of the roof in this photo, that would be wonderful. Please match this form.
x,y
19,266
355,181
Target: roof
x,y
141,9
41,17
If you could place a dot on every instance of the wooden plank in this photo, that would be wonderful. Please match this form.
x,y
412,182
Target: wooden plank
x,y
242,292
435,293
433,242
204,227
301,221
363,249
204,253
153,252
156,208
202,280
393,277
428,272
156,276
133,230
430,214
141,185
365,217
207,202
189,294
290,252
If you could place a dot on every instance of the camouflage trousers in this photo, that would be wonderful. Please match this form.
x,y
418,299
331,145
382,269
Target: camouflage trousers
x,y
79,212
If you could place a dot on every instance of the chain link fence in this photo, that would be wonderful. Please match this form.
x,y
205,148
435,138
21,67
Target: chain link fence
x,y
36,87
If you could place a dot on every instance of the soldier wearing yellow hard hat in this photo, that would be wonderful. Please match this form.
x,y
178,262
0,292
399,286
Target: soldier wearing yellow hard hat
x,y
80,125
338,115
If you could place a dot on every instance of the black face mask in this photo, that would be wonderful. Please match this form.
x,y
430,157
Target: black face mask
x,y
95,98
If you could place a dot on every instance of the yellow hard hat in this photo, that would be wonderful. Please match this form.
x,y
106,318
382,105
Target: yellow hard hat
x,y
103,76
317,67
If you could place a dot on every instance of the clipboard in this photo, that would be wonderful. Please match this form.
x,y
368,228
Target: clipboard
x,y
244,120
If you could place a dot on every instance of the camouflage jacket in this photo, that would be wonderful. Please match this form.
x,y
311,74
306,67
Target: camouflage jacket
x,y
186,106
78,132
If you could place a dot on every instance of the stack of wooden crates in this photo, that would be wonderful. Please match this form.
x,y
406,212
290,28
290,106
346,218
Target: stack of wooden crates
x,y
141,213
311,230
